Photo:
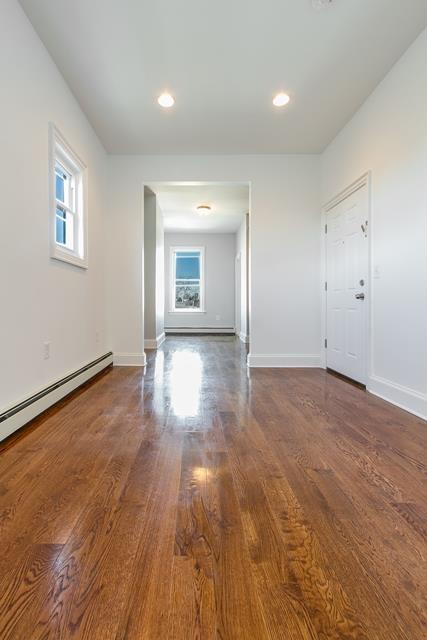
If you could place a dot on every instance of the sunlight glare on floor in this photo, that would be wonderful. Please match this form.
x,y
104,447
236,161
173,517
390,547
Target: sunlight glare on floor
x,y
186,380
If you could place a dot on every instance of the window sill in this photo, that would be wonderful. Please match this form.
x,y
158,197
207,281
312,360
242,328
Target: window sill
x,y
64,256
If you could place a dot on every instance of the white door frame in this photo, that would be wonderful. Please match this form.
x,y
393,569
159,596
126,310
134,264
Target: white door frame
x,y
364,180
238,294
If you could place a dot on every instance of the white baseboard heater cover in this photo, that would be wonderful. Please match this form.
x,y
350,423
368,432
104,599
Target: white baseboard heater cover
x,y
195,330
20,414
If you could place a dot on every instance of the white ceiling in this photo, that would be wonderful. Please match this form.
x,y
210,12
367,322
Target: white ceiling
x,y
223,60
178,202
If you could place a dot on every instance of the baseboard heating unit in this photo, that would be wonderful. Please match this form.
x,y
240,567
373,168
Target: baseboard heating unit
x,y
20,414
219,331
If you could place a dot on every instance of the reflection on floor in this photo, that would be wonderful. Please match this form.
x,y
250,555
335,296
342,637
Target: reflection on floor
x,y
200,500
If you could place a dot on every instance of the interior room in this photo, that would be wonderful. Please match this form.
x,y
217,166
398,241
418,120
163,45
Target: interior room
x,y
195,260
213,372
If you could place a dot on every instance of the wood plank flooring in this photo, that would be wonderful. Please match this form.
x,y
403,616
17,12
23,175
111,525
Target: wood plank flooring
x,y
200,501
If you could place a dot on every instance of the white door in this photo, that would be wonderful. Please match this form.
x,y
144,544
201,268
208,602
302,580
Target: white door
x,y
347,257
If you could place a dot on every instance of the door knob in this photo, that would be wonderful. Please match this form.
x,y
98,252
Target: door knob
x,y
359,296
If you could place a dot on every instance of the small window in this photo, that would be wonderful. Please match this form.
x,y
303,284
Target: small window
x,y
187,279
68,202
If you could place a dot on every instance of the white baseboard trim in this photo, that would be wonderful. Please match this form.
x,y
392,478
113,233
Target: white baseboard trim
x,y
161,338
199,330
403,397
155,344
285,360
129,360
243,337
17,416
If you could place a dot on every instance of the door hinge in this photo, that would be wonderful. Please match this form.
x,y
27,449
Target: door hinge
x,y
326,228
326,343
326,286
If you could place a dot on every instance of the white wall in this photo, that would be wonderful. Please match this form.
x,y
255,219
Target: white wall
x,y
285,247
154,267
219,281
150,233
160,273
42,299
388,136
125,267
242,320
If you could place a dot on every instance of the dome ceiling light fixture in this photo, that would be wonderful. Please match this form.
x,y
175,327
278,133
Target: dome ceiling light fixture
x,y
321,4
165,100
204,209
281,99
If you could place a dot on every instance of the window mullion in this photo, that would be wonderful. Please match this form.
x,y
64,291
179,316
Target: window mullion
x,y
61,205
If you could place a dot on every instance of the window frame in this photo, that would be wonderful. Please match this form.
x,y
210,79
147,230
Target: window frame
x,y
172,257
61,153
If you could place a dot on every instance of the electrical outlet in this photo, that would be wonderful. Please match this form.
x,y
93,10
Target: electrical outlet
x,y
46,350
217,317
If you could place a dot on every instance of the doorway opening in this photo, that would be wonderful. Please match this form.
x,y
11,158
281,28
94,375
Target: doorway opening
x,y
196,260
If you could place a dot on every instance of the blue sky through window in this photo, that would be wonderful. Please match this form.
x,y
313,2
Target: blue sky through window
x,y
60,191
61,226
61,216
187,265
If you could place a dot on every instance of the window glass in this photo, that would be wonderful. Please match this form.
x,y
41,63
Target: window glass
x,y
187,267
64,223
61,226
60,178
187,280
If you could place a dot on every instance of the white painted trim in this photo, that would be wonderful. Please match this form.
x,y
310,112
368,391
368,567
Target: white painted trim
x,y
403,397
155,344
160,339
285,360
22,417
59,145
244,338
129,360
199,330
238,293
345,193
364,180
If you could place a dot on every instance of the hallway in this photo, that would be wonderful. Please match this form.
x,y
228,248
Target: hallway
x,y
203,500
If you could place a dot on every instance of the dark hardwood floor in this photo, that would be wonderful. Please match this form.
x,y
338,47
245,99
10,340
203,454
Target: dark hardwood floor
x,y
203,501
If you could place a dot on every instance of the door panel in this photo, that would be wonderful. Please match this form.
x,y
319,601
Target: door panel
x,y
347,271
337,332
352,332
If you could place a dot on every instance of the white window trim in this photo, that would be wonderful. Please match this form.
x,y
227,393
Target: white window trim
x,y
59,148
172,264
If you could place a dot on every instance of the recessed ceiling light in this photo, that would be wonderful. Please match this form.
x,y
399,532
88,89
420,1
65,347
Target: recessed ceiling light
x,y
166,100
281,99
204,209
